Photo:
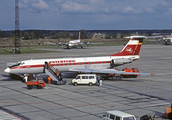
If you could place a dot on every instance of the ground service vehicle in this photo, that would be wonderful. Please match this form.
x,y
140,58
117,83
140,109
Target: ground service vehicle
x,y
89,79
118,76
134,70
118,115
39,83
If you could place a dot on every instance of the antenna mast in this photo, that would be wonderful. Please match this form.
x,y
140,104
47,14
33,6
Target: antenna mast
x,y
16,48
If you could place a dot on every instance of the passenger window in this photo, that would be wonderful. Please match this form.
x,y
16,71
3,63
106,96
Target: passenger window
x,y
84,77
117,118
78,77
91,77
112,117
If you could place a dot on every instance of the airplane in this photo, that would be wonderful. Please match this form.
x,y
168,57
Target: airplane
x,y
99,65
167,39
75,43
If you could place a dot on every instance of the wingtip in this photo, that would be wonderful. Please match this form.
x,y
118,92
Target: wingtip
x,y
152,74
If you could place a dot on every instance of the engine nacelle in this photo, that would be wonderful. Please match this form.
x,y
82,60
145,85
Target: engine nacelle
x,y
120,61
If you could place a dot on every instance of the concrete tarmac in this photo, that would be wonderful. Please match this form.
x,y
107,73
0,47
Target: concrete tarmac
x,y
138,96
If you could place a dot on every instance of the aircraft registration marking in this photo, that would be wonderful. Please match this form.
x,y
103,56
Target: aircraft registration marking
x,y
63,61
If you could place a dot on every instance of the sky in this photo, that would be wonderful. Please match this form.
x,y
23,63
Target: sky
x,y
87,14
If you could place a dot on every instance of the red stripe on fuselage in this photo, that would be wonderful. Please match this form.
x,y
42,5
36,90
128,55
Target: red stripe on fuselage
x,y
62,64
27,66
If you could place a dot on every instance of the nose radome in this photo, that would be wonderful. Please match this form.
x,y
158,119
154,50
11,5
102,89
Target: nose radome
x,y
7,70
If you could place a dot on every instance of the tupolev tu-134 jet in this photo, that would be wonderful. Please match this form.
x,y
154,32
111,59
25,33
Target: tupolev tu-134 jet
x,y
98,65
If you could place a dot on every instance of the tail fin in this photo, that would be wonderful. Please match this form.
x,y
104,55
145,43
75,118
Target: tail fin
x,y
132,47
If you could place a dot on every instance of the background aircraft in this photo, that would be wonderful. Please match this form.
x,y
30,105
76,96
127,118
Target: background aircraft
x,y
73,43
165,37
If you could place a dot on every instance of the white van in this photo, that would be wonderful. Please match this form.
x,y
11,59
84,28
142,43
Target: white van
x,y
118,115
89,79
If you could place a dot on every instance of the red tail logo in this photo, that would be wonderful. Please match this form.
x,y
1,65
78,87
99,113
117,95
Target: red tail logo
x,y
129,50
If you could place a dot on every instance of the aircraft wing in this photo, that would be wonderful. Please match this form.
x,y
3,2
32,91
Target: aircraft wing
x,y
107,71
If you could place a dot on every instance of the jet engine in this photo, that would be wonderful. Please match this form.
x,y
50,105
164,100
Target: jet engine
x,y
120,61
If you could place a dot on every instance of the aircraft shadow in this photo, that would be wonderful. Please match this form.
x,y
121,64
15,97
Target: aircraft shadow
x,y
8,78
127,80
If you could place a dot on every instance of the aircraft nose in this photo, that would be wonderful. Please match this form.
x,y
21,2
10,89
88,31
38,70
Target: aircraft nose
x,y
70,44
7,70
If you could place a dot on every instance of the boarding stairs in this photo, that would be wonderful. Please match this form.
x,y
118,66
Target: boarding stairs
x,y
52,73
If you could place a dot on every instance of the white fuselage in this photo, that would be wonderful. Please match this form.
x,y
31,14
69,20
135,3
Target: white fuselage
x,y
64,64
82,64
74,43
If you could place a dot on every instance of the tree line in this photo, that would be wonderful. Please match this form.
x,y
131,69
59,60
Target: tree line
x,y
51,34
74,34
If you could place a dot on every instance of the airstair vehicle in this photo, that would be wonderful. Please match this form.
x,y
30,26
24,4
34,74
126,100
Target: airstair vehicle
x,y
55,77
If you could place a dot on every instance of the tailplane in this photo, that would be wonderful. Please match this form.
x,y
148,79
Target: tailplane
x,y
132,47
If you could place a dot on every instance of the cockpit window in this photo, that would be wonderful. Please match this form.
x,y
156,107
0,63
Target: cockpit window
x,y
17,64
22,63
